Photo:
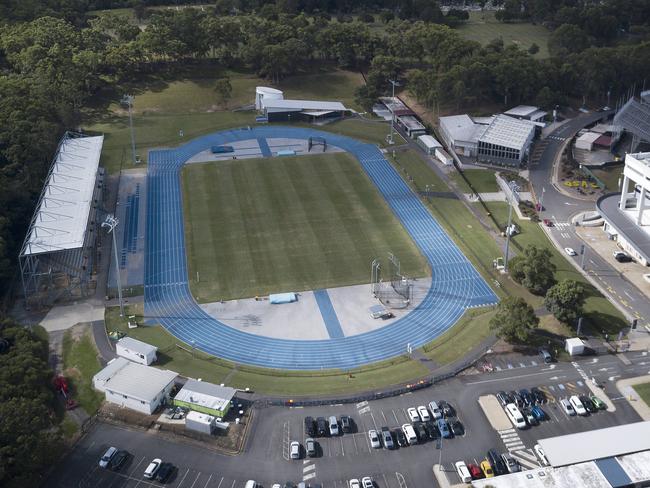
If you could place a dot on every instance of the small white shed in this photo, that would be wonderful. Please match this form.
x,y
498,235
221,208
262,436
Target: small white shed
x,y
444,157
574,346
136,351
428,143
200,422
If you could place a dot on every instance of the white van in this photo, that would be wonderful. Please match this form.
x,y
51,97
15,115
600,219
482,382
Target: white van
x,y
251,484
334,426
410,434
515,416
435,410
463,472
577,405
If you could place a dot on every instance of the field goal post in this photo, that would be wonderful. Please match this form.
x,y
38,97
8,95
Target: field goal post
x,y
395,291
317,141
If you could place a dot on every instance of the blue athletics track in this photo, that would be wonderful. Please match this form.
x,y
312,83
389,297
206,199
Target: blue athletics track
x,y
455,286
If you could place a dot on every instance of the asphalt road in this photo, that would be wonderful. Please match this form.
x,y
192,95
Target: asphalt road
x,y
560,209
350,455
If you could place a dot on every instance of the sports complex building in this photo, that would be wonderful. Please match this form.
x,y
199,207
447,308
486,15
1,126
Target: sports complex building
x,y
58,255
275,108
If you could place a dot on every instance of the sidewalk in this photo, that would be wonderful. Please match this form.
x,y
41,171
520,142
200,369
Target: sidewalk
x,y
636,402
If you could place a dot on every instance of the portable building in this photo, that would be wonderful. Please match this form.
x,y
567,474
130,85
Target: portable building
x,y
200,422
205,397
443,157
136,351
574,346
428,143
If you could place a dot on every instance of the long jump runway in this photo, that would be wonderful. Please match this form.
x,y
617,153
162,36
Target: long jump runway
x,y
456,285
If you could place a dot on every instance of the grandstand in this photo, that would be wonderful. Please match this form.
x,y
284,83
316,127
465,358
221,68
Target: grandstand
x,y
57,256
634,118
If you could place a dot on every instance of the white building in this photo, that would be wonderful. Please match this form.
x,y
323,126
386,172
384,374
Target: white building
x,y
586,141
411,125
506,141
200,422
527,112
428,143
625,216
461,134
443,157
136,351
266,93
134,386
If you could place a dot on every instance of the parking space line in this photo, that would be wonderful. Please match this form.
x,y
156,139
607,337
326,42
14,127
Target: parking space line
x,y
233,484
195,479
356,448
395,415
373,420
185,476
220,481
342,448
206,483
385,480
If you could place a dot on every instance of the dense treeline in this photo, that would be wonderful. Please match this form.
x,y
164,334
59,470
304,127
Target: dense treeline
x,y
29,438
50,66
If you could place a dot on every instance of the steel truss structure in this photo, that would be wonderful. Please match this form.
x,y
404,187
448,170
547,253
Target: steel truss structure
x,y
634,117
56,265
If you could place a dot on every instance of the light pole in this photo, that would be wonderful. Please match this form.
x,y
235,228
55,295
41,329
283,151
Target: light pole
x,y
508,228
128,101
392,115
541,200
111,223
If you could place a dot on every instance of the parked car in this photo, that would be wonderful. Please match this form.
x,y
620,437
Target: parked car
x,y
578,406
546,356
511,464
400,438
413,414
321,426
516,397
486,467
374,439
600,405
496,462
164,472
310,427
539,414
567,407
366,482
435,410
530,417
333,426
106,458
387,438
354,483
570,251
420,431
455,426
588,404
447,409
310,447
294,450
432,430
475,471
541,454
548,223
622,257
152,468
526,397
503,398
424,413
538,395
463,473
346,424
443,427
119,459
409,433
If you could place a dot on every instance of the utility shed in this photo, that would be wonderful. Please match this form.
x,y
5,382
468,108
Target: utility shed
x,y
586,141
136,351
428,143
200,422
574,346
205,397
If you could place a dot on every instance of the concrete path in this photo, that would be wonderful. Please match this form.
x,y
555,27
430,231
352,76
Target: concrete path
x,y
63,317
103,343
636,402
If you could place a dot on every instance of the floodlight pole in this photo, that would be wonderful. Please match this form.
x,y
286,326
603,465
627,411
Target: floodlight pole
x,y
541,200
128,100
111,223
392,115
505,259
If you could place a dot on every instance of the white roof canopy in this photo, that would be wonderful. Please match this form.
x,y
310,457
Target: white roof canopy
x,y
303,105
508,132
61,217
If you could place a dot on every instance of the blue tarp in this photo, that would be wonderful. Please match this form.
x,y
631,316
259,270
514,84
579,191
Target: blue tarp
x,y
279,298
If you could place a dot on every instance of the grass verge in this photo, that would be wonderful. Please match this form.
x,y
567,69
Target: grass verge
x,y
80,365
643,391
301,223
483,181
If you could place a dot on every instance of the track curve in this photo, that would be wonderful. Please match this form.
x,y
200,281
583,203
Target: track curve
x,y
455,285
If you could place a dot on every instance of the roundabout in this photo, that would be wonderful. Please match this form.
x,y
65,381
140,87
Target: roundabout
x,y
455,283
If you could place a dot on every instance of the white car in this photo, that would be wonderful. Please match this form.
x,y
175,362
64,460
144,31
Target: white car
x,y
435,410
334,426
568,408
354,483
463,472
294,449
424,413
106,458
374,439
152,469
570,251
577,405
367,482
541,454
413,414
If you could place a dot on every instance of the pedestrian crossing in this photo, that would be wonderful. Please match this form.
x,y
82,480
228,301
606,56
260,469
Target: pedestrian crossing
x,y
514,445
309,470
557,138
526,458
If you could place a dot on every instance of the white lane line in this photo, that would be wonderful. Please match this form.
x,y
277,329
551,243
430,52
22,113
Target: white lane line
x,y
309,468
309,476
508,378
207,482
185,476
342,448
221,481
195,479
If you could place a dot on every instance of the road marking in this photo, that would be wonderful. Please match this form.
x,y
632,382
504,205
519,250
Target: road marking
x,y
309,476
508,378
373,420
355,443
342,448
309,468
206,483
395,415
195,479
533,363
510,366
233,484
219,485
185,476
400,480
364,410
630,296
384,415
522,365
362,404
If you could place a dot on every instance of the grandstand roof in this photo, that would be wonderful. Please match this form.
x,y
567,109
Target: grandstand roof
x,y
508,132
634,117
303,105
61,216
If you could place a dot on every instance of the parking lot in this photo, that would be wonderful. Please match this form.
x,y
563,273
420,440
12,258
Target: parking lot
x,y
340,458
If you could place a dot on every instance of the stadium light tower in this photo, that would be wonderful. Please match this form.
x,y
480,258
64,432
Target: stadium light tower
x,y
392,115
111,223
511,202
128,101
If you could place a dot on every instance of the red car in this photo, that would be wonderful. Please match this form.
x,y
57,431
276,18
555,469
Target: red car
x,y
548,223
475,471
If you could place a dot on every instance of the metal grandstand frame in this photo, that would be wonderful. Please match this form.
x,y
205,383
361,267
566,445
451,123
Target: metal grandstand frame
x,y
396,291
51,272
634,117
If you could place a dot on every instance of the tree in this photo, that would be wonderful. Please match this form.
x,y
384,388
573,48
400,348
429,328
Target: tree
x,y
533,269
566,39
224,90
386,16
533,49
514,320
565,301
